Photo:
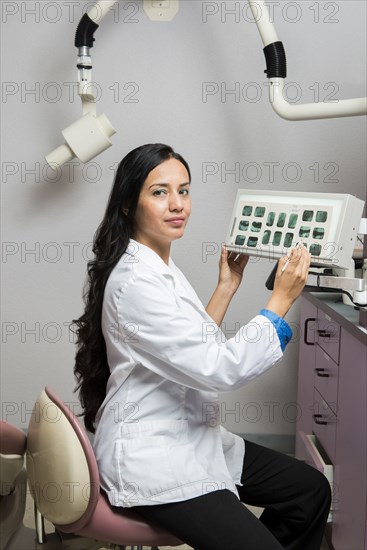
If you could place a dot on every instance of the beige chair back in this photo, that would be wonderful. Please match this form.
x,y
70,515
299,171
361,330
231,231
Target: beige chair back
x,y
58,473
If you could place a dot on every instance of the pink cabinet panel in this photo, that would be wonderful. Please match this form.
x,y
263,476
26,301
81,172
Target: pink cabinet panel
x,y
326,378
328,335
350,476
324,424
306,374
332,393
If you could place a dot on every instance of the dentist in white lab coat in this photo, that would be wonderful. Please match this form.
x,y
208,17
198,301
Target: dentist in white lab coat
x,y
159,444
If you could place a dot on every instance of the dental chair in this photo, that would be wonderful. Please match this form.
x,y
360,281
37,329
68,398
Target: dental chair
x,y
64,482
13,481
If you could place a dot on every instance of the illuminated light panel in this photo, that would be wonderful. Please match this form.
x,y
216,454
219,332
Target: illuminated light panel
x,y
268,223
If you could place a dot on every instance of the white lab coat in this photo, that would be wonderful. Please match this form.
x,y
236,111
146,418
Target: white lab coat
x,y
158,435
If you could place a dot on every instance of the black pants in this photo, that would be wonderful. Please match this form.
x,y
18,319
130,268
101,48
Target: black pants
x,y
295,498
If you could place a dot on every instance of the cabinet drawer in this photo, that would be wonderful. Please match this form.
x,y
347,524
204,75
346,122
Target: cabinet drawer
x,y
328,335
326,378
313,456
324,424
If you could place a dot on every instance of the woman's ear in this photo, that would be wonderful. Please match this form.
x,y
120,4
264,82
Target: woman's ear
x,y
125,211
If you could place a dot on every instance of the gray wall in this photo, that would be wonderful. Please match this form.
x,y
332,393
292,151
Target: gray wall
x,y
154,81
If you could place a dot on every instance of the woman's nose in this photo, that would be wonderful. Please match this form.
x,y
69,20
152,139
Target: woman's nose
x,y
176,202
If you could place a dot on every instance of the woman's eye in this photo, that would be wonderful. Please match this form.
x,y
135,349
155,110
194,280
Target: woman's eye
x,y
160,192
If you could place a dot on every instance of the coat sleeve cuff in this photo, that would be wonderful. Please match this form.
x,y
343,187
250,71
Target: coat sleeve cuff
x,y
284,331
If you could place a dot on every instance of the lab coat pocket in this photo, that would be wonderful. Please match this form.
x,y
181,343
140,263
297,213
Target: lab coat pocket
x,y
154,458
143,468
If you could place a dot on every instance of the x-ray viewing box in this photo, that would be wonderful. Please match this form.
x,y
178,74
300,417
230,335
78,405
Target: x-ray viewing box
x,y
268,223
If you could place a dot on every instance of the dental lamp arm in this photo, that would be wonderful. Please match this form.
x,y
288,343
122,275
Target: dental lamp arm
x,y
84,38
277,71
89,136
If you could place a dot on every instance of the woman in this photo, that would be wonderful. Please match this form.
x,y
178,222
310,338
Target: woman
x,y
151,360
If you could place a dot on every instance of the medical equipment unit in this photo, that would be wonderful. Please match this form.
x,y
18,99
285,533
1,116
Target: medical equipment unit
x,y
267,224
89,136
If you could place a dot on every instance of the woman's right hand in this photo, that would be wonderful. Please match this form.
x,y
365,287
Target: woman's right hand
x,y
289,282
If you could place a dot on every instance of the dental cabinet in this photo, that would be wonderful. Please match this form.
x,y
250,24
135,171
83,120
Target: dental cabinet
x,y
331,429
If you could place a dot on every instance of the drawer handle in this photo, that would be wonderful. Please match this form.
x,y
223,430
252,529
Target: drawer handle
x,y
324,333
322,373
306,330
317,417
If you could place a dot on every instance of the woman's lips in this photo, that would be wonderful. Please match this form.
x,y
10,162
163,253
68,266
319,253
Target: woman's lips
x,y
176,221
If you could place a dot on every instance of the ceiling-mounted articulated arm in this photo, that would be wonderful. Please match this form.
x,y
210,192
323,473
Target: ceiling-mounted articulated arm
x,y
90,135
276,71
84,41
84,38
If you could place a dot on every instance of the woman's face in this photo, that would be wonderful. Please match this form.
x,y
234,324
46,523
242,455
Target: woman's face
x,y
164,205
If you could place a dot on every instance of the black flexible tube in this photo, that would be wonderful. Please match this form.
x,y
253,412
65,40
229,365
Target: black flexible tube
x,y
85,31
276,62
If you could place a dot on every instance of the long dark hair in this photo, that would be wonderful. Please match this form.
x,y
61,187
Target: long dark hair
x,y
110,242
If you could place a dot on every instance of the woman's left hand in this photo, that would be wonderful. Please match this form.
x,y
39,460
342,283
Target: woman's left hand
x,y
231,266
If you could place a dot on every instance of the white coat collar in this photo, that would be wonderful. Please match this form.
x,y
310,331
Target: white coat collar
x,y
145,254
